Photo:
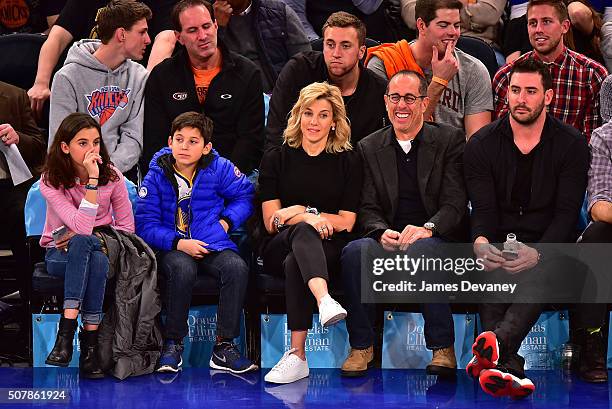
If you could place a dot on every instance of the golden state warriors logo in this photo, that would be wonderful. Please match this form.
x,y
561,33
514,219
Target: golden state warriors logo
x,y
104,102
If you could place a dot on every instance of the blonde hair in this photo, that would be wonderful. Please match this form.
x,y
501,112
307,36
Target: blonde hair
x,y
338,140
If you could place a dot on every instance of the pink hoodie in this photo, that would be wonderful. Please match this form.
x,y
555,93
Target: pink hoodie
x,y
68,207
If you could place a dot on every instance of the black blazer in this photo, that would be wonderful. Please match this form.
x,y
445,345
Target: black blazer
x,y
440,180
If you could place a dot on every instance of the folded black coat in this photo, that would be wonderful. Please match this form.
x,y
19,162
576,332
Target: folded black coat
x,y
130,337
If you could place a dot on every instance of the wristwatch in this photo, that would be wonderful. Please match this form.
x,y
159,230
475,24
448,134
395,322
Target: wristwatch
x,y
431,227
312,210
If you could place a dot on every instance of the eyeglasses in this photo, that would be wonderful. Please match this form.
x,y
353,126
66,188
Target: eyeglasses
x,y
408,98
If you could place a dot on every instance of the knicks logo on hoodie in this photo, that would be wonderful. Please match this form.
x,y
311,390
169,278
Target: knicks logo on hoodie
x,y
103,102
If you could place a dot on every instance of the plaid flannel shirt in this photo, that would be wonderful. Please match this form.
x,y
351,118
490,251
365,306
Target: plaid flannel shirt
x,y
600,172
576,82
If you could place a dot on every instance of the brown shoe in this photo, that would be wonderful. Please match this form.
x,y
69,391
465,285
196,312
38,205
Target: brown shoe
x,y
358,362
443,363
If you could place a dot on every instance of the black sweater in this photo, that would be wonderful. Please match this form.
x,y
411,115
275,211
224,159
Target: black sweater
x,y
559,180
365,108
234,102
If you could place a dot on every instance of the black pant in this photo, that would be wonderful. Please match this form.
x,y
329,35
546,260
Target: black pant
x,y
511,324
512,321
178,272
12,229
299,253
439,329
592,315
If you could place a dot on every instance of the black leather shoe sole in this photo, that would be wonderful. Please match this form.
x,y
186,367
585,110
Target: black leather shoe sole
x,y
594,379
92,375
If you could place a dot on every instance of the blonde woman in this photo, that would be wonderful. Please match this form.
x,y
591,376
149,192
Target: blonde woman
x,y
309,189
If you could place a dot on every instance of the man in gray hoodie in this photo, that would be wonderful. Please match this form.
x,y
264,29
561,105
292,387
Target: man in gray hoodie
x,y
100,78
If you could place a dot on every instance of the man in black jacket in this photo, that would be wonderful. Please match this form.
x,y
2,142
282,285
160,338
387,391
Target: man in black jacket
x,y
413,200
205,77
526,174
362,91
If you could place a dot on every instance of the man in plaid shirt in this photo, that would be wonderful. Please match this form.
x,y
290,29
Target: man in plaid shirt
x,y
592,366
576,78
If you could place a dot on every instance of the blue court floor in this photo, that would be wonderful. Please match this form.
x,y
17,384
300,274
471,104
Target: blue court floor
x,y
203,388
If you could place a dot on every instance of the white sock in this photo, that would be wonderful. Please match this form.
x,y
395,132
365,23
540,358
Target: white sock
x,y
326,298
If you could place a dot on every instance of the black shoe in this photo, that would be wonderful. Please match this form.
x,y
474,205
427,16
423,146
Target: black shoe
x,y
61,354
89,363
592,365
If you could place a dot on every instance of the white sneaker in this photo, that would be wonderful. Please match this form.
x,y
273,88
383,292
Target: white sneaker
x,y
330,311
289,369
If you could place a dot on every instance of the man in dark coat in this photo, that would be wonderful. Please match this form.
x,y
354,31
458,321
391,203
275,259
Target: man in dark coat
x,y
413,200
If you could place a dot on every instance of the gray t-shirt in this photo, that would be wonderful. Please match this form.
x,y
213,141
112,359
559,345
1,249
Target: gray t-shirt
x,y
469,92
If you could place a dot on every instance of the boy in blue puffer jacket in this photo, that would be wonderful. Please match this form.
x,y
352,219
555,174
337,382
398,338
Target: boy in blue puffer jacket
x,y
188,202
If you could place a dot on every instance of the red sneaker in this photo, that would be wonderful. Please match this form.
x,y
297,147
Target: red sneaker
x,y
499,382
486,349
475,367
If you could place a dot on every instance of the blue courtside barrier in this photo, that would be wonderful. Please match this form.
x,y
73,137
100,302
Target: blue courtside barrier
x,y
202,324
542,346
325,347
404,340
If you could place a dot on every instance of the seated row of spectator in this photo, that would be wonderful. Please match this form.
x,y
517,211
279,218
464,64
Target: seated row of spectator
x,y
135,112
317,195
206,76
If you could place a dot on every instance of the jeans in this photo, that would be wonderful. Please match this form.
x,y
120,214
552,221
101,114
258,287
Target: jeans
x,y
178,273
584,316
84,268
439,329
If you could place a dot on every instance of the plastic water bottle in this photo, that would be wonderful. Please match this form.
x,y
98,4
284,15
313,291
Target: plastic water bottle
x,y
511,243
568,356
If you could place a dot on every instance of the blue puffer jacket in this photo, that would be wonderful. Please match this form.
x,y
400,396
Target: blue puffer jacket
x,y
219,191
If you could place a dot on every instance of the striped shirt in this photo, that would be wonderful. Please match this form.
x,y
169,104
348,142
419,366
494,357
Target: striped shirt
x,y
576,82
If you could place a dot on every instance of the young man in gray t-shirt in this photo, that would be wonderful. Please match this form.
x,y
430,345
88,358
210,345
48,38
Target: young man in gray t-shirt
x,y
459,84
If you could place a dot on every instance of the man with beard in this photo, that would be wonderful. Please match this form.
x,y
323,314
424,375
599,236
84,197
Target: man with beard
x,y
576,78
362,91
506,163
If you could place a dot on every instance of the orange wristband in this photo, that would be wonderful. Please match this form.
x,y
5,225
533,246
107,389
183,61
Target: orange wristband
x,y
440,81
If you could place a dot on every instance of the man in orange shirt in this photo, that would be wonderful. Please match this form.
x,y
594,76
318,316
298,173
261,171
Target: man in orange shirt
x,y
206,77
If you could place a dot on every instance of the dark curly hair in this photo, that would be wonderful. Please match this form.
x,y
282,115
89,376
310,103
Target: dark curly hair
x,y
58,169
